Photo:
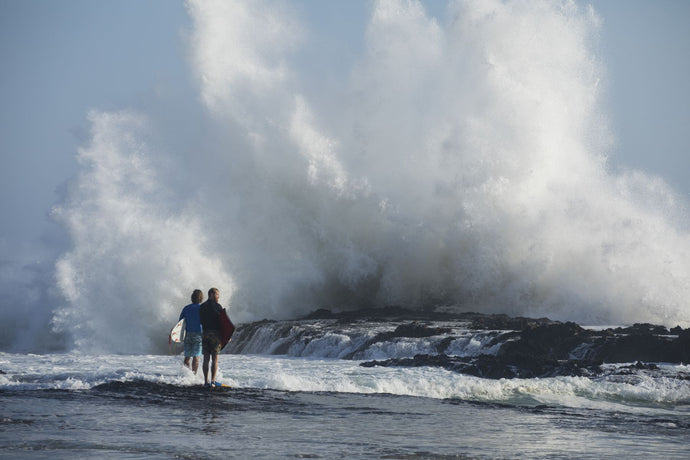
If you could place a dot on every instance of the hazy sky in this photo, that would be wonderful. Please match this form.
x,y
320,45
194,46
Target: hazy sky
x,y
59,59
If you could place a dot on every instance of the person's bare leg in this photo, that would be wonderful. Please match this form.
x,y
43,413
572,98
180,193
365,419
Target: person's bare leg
x,y
195,364
204,367
214,369
186,361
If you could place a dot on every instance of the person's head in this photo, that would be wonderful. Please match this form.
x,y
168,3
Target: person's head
x,y
197,296
213,294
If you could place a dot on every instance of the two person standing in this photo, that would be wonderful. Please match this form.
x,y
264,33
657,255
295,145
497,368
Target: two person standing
x,y
206,338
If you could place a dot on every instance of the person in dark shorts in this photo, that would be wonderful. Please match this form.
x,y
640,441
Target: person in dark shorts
x,y
192,338
209,313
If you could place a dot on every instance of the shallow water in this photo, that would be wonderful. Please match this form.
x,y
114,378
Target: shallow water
x,y
62,406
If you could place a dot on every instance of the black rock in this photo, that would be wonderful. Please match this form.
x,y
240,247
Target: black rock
x,y
526,347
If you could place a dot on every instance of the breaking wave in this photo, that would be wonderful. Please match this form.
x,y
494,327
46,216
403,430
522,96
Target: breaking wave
x,y
461,161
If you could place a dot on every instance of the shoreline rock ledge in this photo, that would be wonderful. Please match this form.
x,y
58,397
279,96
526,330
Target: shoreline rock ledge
x,y
513,347
545,348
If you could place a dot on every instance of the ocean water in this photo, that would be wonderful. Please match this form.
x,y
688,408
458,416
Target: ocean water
x,y
150,406
457,157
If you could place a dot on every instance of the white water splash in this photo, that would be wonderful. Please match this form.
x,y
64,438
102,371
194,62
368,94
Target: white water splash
x,y
465,165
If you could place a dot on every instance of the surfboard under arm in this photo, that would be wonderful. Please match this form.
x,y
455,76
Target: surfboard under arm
x,y
226,328
177,333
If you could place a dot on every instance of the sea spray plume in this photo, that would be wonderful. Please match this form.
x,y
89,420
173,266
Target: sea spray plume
x,y
473,173
239,51
314,235
286,169
135,257
578,241
466,167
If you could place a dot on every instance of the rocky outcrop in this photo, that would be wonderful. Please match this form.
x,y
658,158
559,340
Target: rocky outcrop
x,y
494,367
544,348
510,346
653,343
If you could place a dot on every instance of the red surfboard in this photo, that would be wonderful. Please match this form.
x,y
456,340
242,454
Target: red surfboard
x,y
226,328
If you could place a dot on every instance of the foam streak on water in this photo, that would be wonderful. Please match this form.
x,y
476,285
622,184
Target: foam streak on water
x,y
645,394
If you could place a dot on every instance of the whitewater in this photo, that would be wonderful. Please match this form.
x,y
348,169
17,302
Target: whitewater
x,y
150,406
457,160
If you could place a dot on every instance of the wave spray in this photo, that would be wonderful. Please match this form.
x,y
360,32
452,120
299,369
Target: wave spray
x,y
459,162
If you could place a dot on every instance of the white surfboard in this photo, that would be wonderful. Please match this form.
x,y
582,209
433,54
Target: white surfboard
x,y
177,332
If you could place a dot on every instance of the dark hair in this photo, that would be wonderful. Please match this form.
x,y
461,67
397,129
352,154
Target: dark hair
x,y
212,290
197,296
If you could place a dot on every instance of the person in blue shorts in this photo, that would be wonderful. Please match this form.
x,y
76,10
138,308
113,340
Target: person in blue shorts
x,y
192,338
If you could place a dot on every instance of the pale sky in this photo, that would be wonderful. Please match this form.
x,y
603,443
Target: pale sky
x,y
59,59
